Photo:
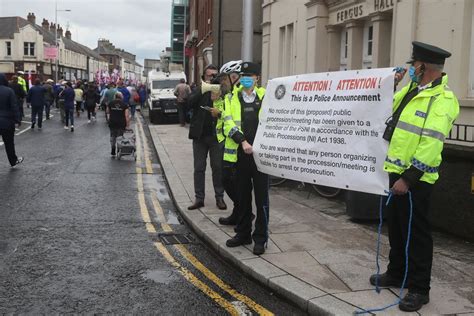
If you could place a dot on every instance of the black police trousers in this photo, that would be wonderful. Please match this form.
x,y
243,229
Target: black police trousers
x,y
229,182
248,178
8,135
420,255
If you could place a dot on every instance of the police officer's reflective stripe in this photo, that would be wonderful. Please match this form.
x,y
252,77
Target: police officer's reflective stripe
x,y
233,131
434,134
228,118
230,151
423,167
409,127
396,162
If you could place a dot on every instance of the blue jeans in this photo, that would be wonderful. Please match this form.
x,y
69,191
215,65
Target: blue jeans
x,y
69,114
37,111
133,107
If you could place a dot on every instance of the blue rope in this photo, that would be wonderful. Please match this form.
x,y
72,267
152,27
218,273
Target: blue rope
x,y
377,289
266,208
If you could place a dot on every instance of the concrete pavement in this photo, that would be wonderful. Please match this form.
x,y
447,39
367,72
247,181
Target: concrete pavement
x,y
316,258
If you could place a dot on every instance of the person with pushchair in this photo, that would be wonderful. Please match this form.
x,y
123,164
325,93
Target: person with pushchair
x,y
118,117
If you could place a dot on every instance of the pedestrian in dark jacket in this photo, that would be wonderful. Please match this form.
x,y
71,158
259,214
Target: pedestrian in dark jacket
x,y
142,93
36,99
48,97
68,95
91,98
202,131
19,93
9,115
119,119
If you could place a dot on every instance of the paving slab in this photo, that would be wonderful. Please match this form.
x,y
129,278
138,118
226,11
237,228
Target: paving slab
x,y
262,270
304,267
330,305
371,300
298,291
354,274
452,299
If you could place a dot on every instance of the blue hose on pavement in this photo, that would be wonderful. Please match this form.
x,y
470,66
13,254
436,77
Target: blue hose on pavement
x,y
377,289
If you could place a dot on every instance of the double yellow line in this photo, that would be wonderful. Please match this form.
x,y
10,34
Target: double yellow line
x,y
188,275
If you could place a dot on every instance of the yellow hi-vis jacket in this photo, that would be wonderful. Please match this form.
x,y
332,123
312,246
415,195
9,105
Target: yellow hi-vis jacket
x,y
419,136
219,104
22,83
233,120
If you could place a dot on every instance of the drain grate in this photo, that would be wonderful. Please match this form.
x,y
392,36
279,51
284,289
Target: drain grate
x,y
175,239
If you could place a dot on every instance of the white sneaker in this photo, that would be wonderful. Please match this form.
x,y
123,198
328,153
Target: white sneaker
x,y
88,121
65,127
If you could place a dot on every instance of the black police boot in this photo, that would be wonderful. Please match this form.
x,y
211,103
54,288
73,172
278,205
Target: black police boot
x,y
229,220
413,302
385,280
258,249
238,241
221,204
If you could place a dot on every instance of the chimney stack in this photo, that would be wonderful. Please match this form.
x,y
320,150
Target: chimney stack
x,y
45,24
68,34
31,18
60,31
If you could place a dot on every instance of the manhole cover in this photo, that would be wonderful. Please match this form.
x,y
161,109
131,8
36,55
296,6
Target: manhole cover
x,y
175,239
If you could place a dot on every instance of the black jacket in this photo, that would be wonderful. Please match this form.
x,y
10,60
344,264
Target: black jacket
x,y
36,96
9,111
91,96
202,123
18,89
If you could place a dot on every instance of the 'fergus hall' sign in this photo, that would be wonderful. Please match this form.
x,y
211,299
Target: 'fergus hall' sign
x,y
363,9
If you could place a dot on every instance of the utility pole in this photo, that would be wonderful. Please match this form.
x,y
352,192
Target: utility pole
x,y
56,37
56,42
247,30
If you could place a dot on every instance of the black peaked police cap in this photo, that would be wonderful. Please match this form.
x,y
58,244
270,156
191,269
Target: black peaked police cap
x,y
250,68
428,53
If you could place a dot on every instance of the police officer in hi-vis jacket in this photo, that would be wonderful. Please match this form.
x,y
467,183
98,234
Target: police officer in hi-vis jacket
x,y
423,115
241,118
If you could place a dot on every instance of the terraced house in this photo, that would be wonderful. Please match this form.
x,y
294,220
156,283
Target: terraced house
x,y
22,48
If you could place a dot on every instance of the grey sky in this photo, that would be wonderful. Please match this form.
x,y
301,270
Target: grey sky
x,y
141,27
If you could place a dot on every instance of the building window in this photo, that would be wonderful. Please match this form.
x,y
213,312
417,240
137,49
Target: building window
x,y
281,51
368,45
111,60
289,49
9,48
29,49
346,43
344,50
369,40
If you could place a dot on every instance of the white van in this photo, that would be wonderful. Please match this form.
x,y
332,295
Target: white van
x,y
161,100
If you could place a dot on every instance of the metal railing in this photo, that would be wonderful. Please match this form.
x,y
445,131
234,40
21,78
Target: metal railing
x,y
462,133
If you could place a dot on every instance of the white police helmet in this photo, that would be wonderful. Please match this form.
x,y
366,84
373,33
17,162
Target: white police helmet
x,y
232,66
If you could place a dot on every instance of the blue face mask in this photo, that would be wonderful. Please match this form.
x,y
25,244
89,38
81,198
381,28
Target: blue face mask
x,y
411,72
246,82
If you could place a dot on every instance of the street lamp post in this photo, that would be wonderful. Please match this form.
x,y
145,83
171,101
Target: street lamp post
x,y
56,38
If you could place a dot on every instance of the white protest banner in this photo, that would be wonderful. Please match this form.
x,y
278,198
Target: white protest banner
x,y
326,128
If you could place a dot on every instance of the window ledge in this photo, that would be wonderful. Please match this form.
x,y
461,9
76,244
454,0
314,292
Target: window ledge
x,y
466,102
